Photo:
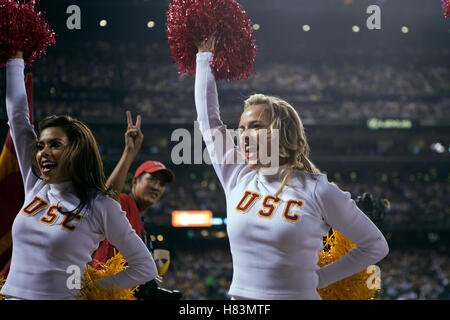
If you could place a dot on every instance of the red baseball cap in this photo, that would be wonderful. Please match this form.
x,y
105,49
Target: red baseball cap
x,y
154,166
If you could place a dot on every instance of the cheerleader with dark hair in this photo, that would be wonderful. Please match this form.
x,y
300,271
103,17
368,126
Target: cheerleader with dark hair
x,y
68,209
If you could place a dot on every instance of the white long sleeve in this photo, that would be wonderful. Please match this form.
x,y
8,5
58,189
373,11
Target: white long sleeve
x,y
141,266
19,118
226,159
44,246
342,214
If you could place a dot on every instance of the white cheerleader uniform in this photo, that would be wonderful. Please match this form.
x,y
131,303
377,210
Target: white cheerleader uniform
x,y
46,247
275,242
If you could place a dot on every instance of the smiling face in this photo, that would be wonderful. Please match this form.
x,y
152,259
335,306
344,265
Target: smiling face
x,y
50,157
148,188
254,126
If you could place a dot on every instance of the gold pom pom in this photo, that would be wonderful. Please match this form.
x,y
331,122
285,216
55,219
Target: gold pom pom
x,y
352,288
2,282
91,290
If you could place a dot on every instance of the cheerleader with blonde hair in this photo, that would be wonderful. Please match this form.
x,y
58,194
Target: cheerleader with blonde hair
x,y
280,210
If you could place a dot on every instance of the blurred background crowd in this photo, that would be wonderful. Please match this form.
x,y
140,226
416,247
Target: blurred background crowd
x,y
375,104
99,79
410,274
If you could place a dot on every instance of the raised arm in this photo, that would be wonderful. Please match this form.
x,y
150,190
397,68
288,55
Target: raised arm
x,y
133,143
225,157
22,132
343,215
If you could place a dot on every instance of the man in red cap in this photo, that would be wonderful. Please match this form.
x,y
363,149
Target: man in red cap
x,y
148,185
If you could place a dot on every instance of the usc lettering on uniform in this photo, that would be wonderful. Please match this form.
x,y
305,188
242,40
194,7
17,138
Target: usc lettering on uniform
x,y
52,213
287,210
65,224
269,205
34,206
247,201
50,216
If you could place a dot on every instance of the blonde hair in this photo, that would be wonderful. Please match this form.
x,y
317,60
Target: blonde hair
x,y
293,145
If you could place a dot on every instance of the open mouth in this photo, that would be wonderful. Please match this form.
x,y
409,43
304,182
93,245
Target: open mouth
x,y
47,166
251,153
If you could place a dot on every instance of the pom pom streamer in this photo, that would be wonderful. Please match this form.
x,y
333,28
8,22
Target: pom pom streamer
x,y
2,282
91,290
336,245
351,288
24,28
189,22
446,7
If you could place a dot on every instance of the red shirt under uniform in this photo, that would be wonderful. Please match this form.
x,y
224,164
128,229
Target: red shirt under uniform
x,y
106,251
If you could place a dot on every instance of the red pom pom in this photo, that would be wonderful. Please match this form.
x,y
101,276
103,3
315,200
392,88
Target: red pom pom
x,y
190,22
24,28
446,7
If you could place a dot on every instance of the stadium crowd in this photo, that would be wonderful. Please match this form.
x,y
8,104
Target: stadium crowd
x,y
406,274
95,83
418,199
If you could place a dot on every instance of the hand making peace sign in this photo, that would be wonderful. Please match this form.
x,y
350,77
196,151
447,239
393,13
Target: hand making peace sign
x,y
133,135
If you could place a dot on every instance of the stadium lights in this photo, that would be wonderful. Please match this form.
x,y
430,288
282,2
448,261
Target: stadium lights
x,y
200,218
405,29
103,23
221,234
256,26
204,233
437,147
355,29
150,24
159,237
306,27
196,218
216,221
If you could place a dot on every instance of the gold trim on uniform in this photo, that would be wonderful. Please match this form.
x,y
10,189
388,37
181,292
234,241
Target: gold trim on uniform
x,y
287,209
271,207
34,206
65,224
50,217
254,196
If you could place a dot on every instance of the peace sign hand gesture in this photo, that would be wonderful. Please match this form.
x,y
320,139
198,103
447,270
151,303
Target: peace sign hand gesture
x,y
133,135
133,142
